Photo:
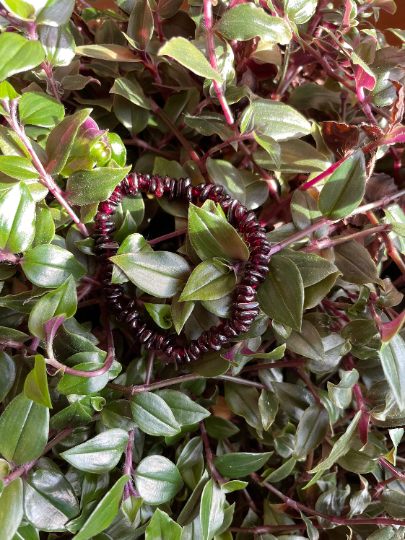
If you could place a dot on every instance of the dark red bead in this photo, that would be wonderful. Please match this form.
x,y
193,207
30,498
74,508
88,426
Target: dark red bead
x,y
230,330
173,189
243,328
159,186
159,341
240,212
231,211
245,289
249,218
152,186
246,305
257,235
242,317
188,194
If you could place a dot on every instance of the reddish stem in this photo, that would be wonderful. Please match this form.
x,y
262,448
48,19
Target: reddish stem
x,y
213,60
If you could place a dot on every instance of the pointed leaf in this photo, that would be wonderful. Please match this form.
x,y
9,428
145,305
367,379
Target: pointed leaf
x,y
344,189
99,454
153,415
281,296
189,56
11,509
159,273
246,21
36,383
212,236
24,427
105,511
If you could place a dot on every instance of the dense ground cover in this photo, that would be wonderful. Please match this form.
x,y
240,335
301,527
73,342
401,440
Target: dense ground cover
x,y
284,418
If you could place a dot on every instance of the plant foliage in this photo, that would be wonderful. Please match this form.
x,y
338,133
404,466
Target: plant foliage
x,y
292,431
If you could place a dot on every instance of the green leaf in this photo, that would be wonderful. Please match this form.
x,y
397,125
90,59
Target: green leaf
x,y
292,398
210,123
187,54
20,9
61,138
18,54
159,273
281,296
161,314
240,464
26,532
51,266
392,354
62,301
36,383
49,500
168,8
117,414
181,311
23,430
246,21
344,189
355,263
224,173
341,394
282,472
72,384
307,343
244,401
86,187
268,406
17,217
58,43
44,226
341,447
105,511
275,354
275,119
296,156
100,454
271,146
140,24
157,479
162,527
55,12
18,167
40,109
131,90
153,415
394,503
184,409
211,511
212,236
299,11
77,414
118,150
109,52
210,280
314,96
7,94
312,268
219,428
11,509
311,430
7,374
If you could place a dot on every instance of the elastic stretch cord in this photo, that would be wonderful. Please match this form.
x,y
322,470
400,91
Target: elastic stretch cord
x,y
246,308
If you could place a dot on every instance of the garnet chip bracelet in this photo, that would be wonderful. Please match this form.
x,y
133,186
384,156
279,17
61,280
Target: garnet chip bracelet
x,y
246,308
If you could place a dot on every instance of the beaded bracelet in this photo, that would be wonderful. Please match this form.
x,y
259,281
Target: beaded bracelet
x,y
246,308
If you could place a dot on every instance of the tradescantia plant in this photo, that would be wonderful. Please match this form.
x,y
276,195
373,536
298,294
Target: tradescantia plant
x,y
202,240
